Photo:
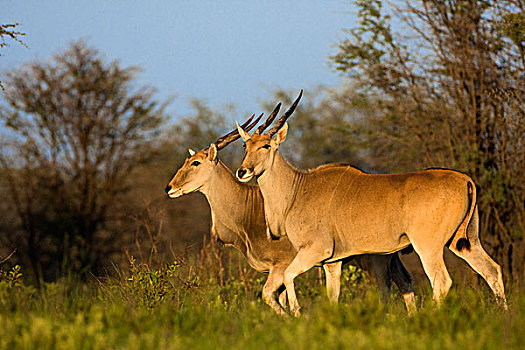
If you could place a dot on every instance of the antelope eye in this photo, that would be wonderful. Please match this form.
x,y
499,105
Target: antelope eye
x,y
195,163
266,146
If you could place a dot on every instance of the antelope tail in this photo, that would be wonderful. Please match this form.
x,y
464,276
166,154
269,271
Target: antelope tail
x,y
460,239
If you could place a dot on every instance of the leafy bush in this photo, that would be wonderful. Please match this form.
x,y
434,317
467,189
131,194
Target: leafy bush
x,y
151,286
12,277
354,277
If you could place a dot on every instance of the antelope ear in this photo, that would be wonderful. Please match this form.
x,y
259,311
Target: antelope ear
x,y
192,152
245,136
212,152
280,136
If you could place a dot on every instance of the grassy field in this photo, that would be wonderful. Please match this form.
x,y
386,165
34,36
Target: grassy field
x,y
170,308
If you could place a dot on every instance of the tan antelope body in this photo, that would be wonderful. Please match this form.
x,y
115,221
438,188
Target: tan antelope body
x,y
238,219
331,212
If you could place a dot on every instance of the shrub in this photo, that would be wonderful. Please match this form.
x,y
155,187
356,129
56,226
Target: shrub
x,y
12,277
151,286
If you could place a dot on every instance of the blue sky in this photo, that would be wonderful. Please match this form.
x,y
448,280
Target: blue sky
x,y
221,51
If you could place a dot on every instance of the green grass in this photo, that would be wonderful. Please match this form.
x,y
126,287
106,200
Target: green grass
x,y
187,313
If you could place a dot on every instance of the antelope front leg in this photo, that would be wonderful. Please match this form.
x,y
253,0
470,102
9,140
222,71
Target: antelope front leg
x,y
282,296
305,259
274,281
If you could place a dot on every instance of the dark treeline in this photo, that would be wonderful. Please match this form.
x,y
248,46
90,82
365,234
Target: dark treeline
x,y
85,153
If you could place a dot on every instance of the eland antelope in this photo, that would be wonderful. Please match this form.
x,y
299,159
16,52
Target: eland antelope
x,y
238,219
333,212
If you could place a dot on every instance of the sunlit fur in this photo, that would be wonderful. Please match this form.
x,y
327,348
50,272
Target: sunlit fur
x,y
238,219
330,213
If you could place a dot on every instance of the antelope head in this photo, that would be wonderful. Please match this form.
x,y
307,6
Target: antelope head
x,y
198,167
194,173
260,149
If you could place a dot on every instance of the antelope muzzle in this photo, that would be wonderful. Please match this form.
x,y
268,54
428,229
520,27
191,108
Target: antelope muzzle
x,y
244,174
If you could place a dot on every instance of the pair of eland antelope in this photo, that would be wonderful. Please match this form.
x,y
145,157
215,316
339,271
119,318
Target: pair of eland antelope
x,y
333,212
238,219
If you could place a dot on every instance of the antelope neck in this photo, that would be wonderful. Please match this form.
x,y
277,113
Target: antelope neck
x,y
230,201
279,184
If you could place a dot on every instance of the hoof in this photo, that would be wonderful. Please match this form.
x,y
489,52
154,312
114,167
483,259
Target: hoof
x,y
295,312
410,303
281,312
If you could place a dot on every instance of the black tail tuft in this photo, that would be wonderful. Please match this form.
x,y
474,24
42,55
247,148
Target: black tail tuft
x,y
463,243
407,250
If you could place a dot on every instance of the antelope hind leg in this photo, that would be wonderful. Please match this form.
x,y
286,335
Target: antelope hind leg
x,y
382,275
435,269
481,262
403,281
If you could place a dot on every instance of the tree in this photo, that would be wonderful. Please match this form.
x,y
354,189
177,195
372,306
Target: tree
x,y
9,31
76,127
459,103
184,221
